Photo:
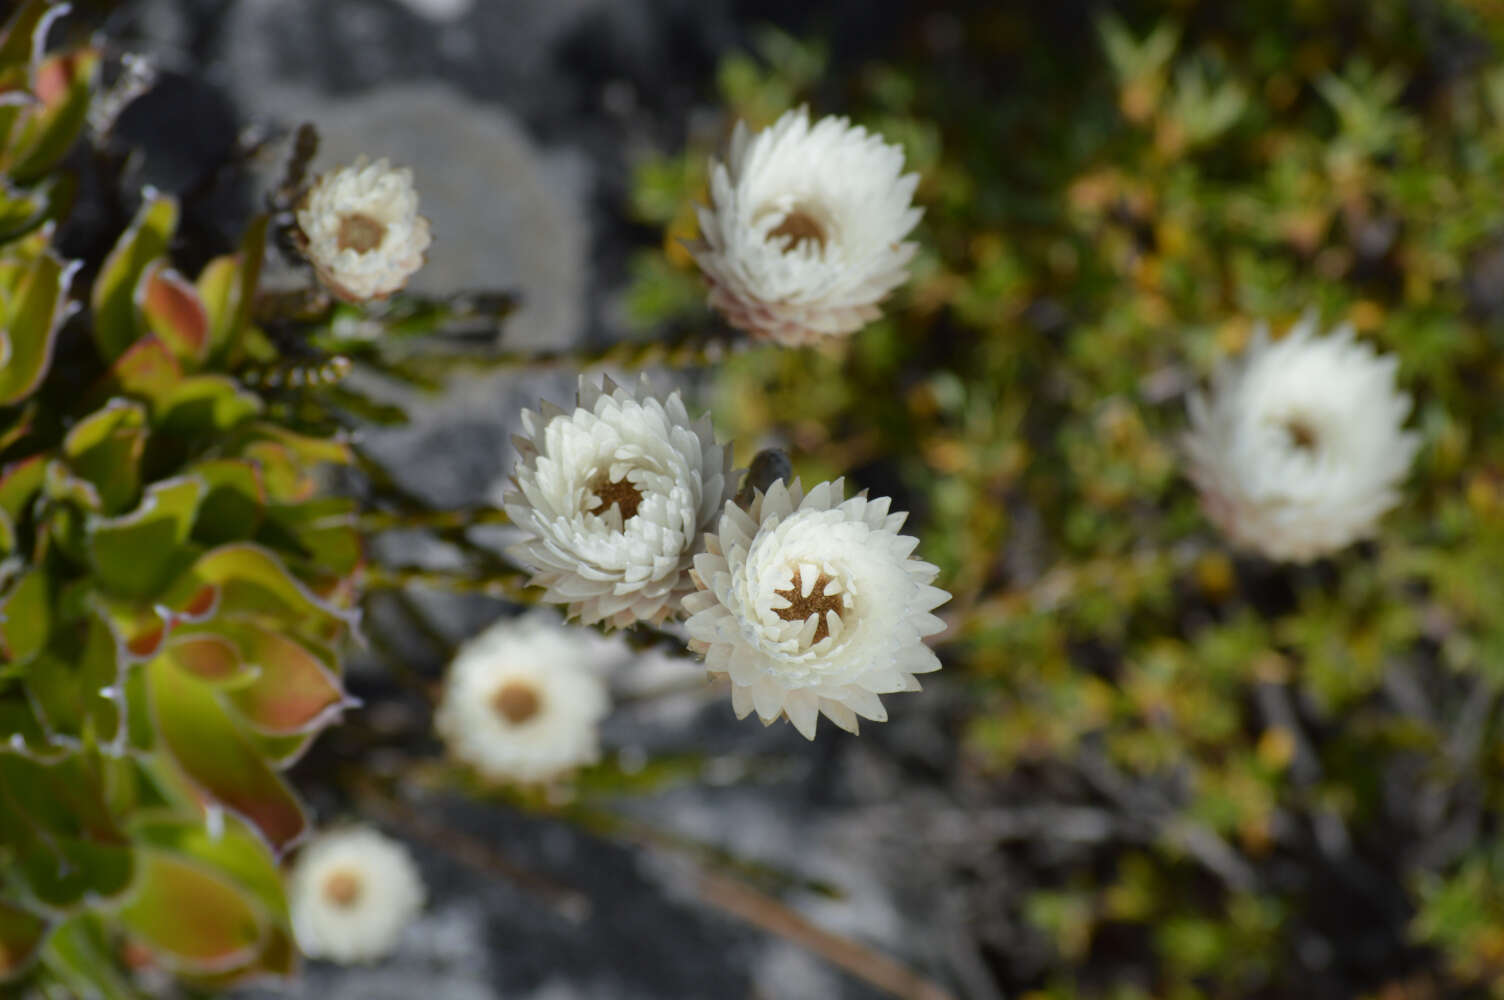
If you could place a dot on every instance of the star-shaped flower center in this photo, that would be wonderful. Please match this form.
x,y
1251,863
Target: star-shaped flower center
x,y
342,887
517,702
795,228
816,602
360,233
621,492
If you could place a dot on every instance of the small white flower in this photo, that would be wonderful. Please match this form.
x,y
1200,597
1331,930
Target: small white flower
x,y
523,699
615,498
1299,449
361,229
804,234
813,604
351,894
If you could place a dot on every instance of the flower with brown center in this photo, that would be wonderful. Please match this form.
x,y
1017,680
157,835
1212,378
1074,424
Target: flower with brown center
x,y
813,604
360,228
805,232
522,700
613,499
350,895
1299,448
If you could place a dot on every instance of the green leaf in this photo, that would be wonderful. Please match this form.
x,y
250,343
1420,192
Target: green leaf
x,y
174,313
234,505
195,919
228,287
19,483
66,846
206,743
209,657
21,209
252,580
64,84
293,691
105,449
73,684
22,934
234,850
82,956
206,404
31,324
26,617
19,37
138,554
116,326
146,369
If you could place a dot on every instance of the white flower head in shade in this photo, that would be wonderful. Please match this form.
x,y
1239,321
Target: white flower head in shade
x,y
360,228
523,699
813,604
1299,449
805,232
614,498
351,894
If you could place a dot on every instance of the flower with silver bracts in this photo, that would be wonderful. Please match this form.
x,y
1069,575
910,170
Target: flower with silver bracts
x,y
812,604
359,226
523,699
1299,448
805,232
614,498
351,894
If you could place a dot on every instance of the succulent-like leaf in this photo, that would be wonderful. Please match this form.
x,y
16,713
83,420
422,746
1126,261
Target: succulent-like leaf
x,y
138,554
293,690
67,847
209,657
19,483
81,954
105,449
194,918
206,404
21,209
74,683
30,329
234,850
64,84
147,369
26,616
227,287
249,579
173,312
22,934
234,506
116,326
24,33
209,747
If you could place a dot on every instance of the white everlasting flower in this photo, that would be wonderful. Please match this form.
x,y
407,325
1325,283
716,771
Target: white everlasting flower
x,y
361,230
805,232
1299,451
813,604
615,498
351,894
523,699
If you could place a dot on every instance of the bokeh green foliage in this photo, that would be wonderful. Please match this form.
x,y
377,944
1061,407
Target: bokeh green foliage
x,y
1300,767
174,582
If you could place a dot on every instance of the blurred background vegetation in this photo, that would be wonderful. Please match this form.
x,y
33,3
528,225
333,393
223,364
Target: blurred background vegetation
x,y
1245,779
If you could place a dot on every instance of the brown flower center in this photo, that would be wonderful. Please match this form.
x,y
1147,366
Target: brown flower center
x,y
817,602
795,228
360,233
621,493
342,888
516,702
1302,435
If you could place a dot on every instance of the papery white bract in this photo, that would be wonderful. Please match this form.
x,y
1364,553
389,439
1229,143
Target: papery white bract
x,y
351,893
360,228
1299,448
812,604
523,699
614,498
805,232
